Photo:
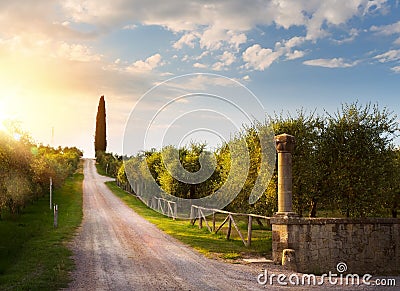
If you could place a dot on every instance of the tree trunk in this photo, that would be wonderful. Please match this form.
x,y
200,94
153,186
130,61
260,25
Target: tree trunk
x,y
313,210
192,192
394,209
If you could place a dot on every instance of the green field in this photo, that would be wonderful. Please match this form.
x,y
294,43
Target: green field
x,y
210,244
33,254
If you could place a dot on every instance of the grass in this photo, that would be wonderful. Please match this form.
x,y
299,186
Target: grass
x,y
33,254
210,244
102,172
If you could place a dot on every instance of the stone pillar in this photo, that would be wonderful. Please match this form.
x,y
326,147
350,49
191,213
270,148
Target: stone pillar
x,y
284,231
285,146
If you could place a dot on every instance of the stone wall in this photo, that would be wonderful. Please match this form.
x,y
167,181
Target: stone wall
x,y
370,245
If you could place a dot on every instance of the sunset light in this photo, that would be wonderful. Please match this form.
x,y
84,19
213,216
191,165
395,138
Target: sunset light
x,y
313,56
4,115
199,145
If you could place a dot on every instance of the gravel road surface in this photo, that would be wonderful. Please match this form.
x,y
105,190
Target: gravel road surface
x,y
116,249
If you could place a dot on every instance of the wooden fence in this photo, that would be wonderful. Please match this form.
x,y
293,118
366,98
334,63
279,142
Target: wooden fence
x,y
197,213
165,206
170,209
125,186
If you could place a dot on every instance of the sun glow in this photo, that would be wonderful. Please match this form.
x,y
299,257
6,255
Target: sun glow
x,y
3,115
7,110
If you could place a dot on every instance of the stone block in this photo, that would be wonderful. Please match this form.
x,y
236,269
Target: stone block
x,y
289,259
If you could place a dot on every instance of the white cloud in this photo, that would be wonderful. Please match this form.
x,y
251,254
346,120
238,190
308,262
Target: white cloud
x,y
130,26
259,58
236,39
218,66
77,52
187,39
336,13
212,38
246,78
353,33
296,54
389,29
149,64
294,42
199,66
41,19
375,6
396,69
330,63
202,55
200,82
56,31
228,58
226,20
287,13
185,58
225,60
224,25
389,56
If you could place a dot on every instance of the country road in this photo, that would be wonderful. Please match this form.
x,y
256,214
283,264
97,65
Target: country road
x,y
116,249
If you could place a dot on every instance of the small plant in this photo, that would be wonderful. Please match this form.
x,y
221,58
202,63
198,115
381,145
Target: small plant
x,y
231,256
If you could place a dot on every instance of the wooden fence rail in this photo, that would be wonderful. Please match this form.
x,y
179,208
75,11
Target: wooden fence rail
x,y
166,207
170,209
197,213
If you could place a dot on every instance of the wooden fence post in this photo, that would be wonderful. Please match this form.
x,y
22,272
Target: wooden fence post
x,y
249,230
200,218
228,234
213,217
175,211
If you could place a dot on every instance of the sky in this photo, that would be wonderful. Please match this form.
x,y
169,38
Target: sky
x,y
58,57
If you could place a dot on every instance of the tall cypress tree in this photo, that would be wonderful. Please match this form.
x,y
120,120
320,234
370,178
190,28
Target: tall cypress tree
x,y
100,142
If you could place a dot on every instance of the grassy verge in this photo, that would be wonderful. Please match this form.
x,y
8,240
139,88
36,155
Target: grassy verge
x,y
212,245
33,254
101,171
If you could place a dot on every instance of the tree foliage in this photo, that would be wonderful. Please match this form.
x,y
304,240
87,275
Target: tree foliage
x,y
26,168
357,142
100,142
344,162
308,170
109,162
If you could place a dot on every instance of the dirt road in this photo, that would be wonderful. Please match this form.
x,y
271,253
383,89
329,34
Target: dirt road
x,y
116,249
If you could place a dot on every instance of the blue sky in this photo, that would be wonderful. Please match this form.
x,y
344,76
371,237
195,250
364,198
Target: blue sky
x,y
59,57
